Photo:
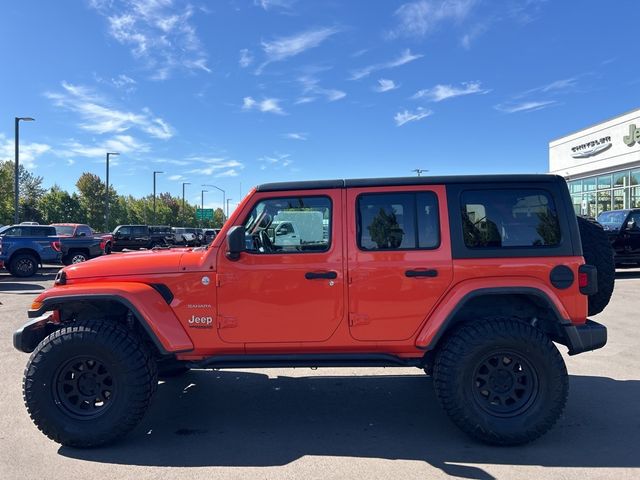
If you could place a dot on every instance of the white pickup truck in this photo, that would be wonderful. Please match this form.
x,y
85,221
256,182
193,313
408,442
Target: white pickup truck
x,y
297,227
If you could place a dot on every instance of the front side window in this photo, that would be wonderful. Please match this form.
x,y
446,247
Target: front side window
x,y
289,225
509,218
398,221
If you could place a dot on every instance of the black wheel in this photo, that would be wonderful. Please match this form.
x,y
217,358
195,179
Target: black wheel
x,y
598,252
501,381
23,265
107,249
89,383
75,257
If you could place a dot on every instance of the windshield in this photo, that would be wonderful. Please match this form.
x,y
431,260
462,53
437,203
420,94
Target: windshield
x,y
64,230
612,220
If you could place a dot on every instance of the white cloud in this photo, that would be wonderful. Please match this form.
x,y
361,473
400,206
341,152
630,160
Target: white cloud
x,y
276,161
176,177
405,57
29,151
98,116
218,167
406,116
296,136
267,105
270,4
524,106
385,85
246,58
123,81
417,19
556,86
159,32
118,143
311,90
443,92
286,47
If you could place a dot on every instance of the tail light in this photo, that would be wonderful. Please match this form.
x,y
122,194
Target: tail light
x,y
103,245
588,279
56,246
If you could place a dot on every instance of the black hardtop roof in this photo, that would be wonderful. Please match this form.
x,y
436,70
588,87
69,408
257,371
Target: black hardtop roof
x,y
403,181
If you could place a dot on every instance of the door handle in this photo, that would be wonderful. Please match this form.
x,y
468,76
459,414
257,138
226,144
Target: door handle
x,y
421,273
321,275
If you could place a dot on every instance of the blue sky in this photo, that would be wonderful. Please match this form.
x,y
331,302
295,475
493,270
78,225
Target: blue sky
x,y
240,92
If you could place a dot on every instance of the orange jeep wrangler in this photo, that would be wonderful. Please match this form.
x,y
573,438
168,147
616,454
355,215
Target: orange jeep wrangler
x,y
471,278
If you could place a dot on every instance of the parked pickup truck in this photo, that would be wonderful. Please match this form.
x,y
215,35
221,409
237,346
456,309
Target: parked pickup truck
x,y
78,243
623,229
134,237
24,247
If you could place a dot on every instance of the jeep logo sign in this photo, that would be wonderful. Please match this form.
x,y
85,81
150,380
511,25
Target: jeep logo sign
x,y
200,322
633,137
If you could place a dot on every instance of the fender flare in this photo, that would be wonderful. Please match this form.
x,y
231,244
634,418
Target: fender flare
x,y
443,316
166,331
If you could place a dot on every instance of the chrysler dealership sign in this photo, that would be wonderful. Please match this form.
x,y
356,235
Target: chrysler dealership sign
x,y
591,148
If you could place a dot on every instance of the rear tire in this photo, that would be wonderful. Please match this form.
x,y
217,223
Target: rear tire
x,y
89,383
75,257
598,252
23,265
501,381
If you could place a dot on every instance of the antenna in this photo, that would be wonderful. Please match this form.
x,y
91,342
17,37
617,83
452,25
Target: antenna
x,y
419,171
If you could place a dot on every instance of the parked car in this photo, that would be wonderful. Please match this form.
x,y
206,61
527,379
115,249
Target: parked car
x,y
135,237
210,234
623,230
78,243
198,234
473,279
25,247
183,237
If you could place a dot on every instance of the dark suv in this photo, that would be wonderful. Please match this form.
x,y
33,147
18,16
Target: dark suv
x,y
623,229
134,237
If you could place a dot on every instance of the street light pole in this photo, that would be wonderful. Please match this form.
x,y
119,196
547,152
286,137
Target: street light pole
x,y
202,192
106,201
223,196
183,184
16,192
228,200
154,194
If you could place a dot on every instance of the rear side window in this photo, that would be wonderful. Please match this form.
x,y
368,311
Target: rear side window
x,y
509,218
140,231
398,221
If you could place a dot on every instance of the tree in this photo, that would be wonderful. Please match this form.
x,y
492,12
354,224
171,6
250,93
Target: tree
x,y
92,204
57,206
31,190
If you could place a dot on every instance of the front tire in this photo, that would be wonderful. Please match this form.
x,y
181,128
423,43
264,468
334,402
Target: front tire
x,y
89,383
501,381
75,257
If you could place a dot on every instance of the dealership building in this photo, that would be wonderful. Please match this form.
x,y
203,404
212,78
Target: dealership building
x,y
601,164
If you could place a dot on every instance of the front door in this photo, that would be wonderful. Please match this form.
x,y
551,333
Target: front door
x,y
283,289
399,259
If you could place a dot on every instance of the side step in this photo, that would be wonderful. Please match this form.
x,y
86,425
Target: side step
x,y
308,360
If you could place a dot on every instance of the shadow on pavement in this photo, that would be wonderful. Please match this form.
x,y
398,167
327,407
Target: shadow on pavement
x,y
9,287
627,273
236,418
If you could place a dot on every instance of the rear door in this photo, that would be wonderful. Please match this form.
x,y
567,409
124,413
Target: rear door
x,y
399,259
140,236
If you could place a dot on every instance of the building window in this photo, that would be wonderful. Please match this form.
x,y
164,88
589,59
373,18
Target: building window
x,y
604,181
621,179
589,184
575,186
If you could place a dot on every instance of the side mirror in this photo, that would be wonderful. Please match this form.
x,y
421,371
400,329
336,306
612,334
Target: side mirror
x,y
235,242
631,224
117,235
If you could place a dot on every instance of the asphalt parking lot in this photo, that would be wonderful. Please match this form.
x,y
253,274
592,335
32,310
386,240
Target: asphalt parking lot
x,y
334,423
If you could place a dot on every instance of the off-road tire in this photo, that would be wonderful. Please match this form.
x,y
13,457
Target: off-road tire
x,y
598,252
116,350
23,265
459,367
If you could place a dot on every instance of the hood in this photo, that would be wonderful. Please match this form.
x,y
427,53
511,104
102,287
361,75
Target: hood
x,y
128,263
